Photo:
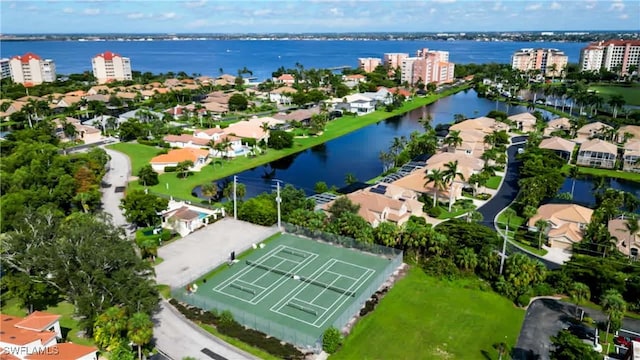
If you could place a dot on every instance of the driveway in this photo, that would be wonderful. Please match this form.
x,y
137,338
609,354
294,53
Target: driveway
x,y
179,338
194,255
544,318
119,170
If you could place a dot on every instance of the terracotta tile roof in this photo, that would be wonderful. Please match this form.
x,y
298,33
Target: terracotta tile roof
x,y
618,229
524,117
599,146
108,55
484,124
416,182
559,214
178,155
286,77
632,148
593,127
11,334
27,57
5,355
283,90
632,129
38,321
186,138
76,93
64,351
557,143
354,77
184,213
211,131
568,230
297,115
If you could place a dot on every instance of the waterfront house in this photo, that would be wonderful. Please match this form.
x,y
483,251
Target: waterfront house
x,y
592,130
356,103
186,141
199,158
631,157
376,208
302,116
472,143
525,121
253,128
483,123
559,124
566,223
625,242
597,153
282,95
400,92
380,97
467,165
36,336
416,182
627,132
562,147
286,79
183,218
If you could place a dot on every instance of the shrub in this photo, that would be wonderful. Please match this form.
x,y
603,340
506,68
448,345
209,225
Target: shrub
x,y
331,340
434,211
523,300
483,196
226,317
169,169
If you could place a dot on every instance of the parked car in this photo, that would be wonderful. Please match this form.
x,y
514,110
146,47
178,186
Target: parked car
x,y
625,341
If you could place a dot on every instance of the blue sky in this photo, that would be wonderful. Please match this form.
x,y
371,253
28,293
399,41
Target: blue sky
x,y
208,16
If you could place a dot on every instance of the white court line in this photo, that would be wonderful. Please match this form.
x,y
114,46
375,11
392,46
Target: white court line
x,y
310,304
245,270
283,279
344,276
268,272
325,289
249,284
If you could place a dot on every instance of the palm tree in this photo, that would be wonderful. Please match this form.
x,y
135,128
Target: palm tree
x,y
632,227
183,168
140,331
453,139
436,177
451,173
614,306
349,179
474,216
209,190
616,101
542,226
573,174
580,293
552,69
467,259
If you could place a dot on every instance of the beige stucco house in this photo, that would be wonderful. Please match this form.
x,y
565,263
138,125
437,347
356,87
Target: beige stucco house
x,y
566,223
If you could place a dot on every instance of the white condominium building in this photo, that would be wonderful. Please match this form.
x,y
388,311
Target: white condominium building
x,y
108,66
427,67
612,55
5,68
30,69
540,59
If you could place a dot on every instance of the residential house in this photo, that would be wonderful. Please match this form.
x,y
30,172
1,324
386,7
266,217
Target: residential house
x,y
302,116
216,108
225,79
253,128
559,124
199,158
525,121
467,165
186,141
127,96
597,153
282,95
205,80
170,83
591,130
140,114
97,97
381,97
88,134
626,243
35,337
562,147
14,106
376,207
400,92
356,103
627,132
99,89
353,80
472,143
566,223
631,157
184,218
286,79
484,124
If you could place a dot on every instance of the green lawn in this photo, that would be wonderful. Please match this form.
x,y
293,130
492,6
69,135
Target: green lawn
x,y
515,222
631,94
139,154
68,324
425,318
494,182
618,174
170,184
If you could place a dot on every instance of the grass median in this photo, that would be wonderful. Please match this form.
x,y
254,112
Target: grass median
x,y
425,318
181,188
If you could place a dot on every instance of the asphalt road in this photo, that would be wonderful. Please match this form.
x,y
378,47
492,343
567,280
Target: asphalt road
x,y
509,189
544,319
118,176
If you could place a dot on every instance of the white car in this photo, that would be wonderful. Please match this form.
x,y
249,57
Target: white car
x,y
520,150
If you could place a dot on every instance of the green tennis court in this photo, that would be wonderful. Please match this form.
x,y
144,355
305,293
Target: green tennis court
x,y
294,288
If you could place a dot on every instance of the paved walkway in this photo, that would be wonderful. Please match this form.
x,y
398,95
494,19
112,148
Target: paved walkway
x,y
117,175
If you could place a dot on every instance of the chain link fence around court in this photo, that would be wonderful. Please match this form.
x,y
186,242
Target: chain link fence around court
x,y
290,334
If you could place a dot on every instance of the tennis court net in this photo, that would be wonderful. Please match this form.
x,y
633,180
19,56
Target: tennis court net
x,y
302,278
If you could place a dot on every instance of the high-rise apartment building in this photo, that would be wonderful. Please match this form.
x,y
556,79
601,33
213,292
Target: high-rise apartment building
x,y
427,67
612,55
108,66
550,62
30,69
5,68
369,64
393,60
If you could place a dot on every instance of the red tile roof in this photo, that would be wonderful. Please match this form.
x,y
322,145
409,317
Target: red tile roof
x,y
64,351
38,321
27,57
108,55
178,155
11,334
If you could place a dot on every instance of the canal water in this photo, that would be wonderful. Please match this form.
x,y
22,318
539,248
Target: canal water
x,y
358,152
584,191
